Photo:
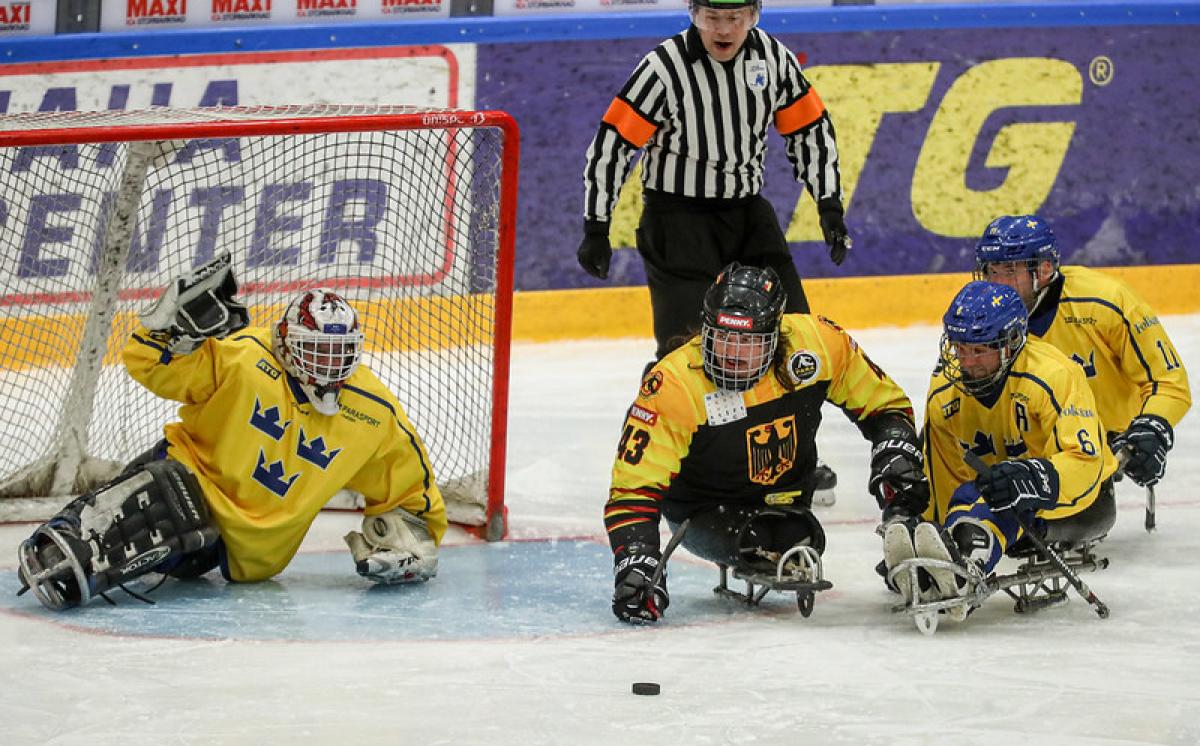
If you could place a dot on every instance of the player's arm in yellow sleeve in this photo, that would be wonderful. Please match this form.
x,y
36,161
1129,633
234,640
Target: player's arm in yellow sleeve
x,y
655,437
187,378
1083,461
857,385
401,476
1148,357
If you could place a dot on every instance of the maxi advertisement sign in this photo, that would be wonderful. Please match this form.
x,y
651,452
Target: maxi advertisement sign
x,y
940,130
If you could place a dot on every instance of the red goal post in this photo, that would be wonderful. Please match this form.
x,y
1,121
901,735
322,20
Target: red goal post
x,y
410,213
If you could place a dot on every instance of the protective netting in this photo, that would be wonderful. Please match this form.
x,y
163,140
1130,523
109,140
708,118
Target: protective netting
x,y
403,222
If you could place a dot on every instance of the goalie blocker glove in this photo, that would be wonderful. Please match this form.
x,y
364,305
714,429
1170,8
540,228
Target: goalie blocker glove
x,y
897,476
1021,484
634,599
1147,441
198,305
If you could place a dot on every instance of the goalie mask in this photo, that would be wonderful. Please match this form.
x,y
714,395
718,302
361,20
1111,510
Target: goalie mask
x,y
984,330
740,329
318,343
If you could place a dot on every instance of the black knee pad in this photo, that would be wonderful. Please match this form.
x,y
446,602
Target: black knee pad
x,y
729,535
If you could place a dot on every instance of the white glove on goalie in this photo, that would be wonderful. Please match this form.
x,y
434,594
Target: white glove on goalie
x,y
395,547
198,305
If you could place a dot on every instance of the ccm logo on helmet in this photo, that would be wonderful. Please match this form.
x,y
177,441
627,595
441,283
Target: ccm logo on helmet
x,y
734,322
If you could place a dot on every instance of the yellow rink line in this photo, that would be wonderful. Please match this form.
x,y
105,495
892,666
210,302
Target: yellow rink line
x,y
553,315
853,302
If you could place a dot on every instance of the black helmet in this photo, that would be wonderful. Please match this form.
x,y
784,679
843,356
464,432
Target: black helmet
x,y
740,328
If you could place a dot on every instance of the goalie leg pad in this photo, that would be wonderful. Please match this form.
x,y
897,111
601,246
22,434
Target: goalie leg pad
x,y
123,530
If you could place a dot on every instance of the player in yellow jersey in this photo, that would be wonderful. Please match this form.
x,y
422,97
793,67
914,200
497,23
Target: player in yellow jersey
x,y
1019,405
1135,373
722,435
273,423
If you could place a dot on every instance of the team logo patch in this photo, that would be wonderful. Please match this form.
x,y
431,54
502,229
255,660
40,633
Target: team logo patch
x,y
269,369
951,409
756,74
804,366
642,414
651,384
771,449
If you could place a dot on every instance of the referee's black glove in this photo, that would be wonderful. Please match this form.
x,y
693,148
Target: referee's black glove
x,y
833,227
594,251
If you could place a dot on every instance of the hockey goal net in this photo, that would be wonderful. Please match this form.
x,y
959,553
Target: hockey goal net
x,y
408,213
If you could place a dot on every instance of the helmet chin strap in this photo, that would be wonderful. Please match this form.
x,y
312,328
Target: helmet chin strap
x,y
1040,290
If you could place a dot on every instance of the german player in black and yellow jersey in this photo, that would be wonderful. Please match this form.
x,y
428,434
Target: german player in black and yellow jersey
x,y
1135,373
722,434
1026,411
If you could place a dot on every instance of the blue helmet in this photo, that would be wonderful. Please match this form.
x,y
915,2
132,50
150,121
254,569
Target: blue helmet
x,y
986,314
1016,238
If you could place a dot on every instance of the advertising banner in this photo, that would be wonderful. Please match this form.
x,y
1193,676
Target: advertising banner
x,y
26,17
939,132
156,15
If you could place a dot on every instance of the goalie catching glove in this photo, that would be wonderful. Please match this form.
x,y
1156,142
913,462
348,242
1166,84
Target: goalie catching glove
x,y
198,305
394,547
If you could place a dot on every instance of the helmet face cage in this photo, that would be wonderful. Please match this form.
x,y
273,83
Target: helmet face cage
x,y
740,329
734,360
983,314
318,340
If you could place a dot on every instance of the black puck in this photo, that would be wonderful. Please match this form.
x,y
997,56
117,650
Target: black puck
x,y
646,687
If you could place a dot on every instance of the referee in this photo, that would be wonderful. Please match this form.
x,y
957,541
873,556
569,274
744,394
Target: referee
x,y
699,104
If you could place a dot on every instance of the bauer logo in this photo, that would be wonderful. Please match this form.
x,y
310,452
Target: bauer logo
x,y
325,8
241,10
405,7
148,12
14,16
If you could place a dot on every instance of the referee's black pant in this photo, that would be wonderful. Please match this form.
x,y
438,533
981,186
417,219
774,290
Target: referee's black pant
x,y
685,242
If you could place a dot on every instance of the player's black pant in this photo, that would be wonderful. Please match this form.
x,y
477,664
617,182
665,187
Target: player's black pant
x,y
685,242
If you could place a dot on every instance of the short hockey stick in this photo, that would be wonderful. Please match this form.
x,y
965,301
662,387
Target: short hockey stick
x,y
668,551
975,462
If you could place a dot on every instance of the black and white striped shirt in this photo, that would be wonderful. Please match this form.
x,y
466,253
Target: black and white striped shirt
x,y
704,124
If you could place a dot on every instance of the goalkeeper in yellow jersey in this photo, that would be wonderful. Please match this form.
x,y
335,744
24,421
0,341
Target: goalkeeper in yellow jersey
x,y
1134,371
722,435
1019,405
273,422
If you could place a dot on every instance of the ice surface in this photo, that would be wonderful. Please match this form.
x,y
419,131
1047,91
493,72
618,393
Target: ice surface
x,y
515,644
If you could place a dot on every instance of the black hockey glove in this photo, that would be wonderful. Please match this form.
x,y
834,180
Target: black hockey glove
x,y
1147,441
1021,484
634,600
898,478
595,252
198,305
833,228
